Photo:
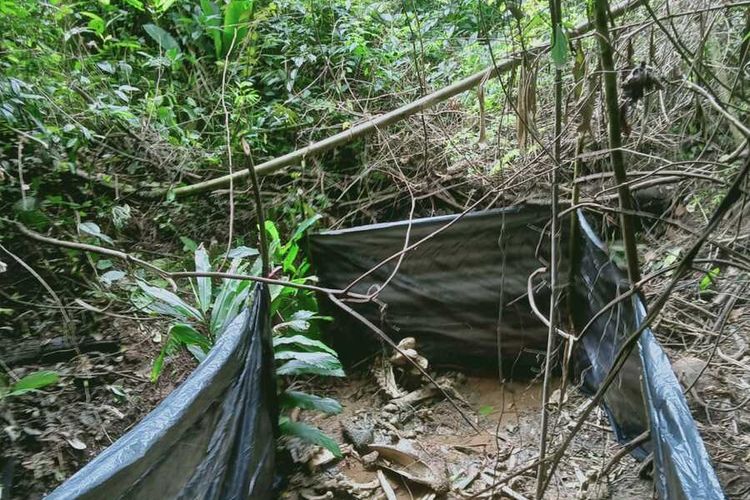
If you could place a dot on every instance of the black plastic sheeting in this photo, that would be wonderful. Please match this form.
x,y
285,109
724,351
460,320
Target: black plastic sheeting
x,y
447,294
214,437
683,468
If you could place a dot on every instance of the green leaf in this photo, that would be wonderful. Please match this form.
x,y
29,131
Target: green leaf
x,y
242,252
309,363
158,366
486,410
203,265
160,36
559,51
298,325
237,15
179,335
709,279
197,352
213,23
92,229
296,399
310,434
187,335
135,3
288,264
303,341
274,234
232,295
304,226
111,276
163,5
33,381
188,245
165,302
96,23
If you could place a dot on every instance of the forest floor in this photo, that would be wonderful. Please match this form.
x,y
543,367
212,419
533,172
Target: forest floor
x,y
100,397
103,394
431,447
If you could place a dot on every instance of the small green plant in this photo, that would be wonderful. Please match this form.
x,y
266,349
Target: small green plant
x,y
298,350
709,279
30,382
201,324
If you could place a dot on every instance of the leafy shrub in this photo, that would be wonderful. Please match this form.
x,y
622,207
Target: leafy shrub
x,y
297,351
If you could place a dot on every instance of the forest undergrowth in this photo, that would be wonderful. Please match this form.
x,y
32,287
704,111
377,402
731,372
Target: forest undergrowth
x,y
111,109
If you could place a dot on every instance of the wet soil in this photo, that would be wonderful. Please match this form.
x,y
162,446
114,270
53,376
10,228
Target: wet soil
x,y
507,418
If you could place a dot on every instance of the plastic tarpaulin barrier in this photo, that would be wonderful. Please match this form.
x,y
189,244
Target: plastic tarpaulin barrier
x,y
683,468
462,294
214,437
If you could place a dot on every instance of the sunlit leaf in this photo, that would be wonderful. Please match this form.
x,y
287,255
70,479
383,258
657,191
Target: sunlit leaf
x,y
203,265
302,340
33,381
93,229
296,399
165,302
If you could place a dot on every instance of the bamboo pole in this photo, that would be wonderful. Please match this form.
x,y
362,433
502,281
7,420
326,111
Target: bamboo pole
x,y
378,122
615,140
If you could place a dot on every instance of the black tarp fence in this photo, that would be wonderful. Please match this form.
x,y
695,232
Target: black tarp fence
x,y
447,293
214,437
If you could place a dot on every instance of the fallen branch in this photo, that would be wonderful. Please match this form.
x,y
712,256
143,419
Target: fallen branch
x,y
171,276
373,124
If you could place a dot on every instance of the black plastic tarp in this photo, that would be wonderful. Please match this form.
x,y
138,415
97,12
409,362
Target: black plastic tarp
x,y
447,293
212,438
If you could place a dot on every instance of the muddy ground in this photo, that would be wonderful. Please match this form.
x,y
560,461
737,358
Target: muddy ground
x,y
466,462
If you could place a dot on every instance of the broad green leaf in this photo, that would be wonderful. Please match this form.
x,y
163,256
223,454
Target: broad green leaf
x,y
138,4
275,242
313,363
203,265
304,226
322,358
104,264
559,51
291,254
187,335
213,23
96,23
310,434
197,352
241,252
33,381
296,367
306,315
180,335
302,341
230,306
165,302
237,15
227,297
160,36
296,399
